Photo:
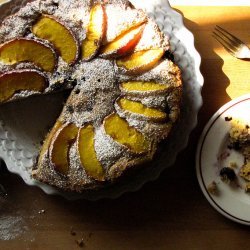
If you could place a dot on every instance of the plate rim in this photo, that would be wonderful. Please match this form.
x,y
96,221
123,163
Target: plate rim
x,y
211,122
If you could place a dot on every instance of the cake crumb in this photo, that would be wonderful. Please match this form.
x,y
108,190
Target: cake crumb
x,y
41,211
72,231
245,171
80,242
247,187
213,188
233,165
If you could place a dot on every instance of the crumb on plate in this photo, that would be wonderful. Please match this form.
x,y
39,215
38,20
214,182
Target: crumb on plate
x,y
247,187
227,174
228,118
233,165
213,188
245,171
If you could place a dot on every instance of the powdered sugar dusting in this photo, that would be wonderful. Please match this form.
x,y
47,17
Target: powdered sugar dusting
x,y
152,38
120,18
93,98
11,227
107,150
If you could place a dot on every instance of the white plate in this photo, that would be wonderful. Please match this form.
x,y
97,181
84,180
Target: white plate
x,y
213,154
23,124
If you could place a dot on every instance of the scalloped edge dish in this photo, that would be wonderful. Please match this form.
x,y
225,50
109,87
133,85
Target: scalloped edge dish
x,y
19,149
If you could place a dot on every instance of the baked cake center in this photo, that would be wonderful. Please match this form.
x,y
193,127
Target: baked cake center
x,y
94,96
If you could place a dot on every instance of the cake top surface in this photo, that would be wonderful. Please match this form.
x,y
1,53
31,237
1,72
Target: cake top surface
x,y
114,59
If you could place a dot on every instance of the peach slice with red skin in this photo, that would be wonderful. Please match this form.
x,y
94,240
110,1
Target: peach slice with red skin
x,y
19,80
60,146
52,30
95,32
87,153
140,61
123,44
28,50
119,129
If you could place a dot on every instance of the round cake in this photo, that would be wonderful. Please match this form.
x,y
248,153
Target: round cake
x,y
125,88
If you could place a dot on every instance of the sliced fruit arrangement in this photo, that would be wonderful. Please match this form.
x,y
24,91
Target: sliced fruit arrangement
x,y
95,32
140,61
59,141
119,129
142,87
51,29
60,145
18,80
124,43
87,153
28,50
138,108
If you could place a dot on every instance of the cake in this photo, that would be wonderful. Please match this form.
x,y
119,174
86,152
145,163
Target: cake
x,y
239,139
125,88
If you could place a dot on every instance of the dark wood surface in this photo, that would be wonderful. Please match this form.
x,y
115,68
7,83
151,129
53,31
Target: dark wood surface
x,y
170,213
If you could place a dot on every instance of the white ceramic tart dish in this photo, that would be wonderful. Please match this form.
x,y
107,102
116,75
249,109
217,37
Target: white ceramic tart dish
x,y
22,130
215,154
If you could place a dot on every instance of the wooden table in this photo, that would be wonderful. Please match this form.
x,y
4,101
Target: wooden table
x,y
170,213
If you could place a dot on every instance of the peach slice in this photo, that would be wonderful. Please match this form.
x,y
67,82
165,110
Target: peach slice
x,y
48,140
123,44
24,49
139,108
140,61
119,129
48,28
95,32
135,86
60,145
18,80
87,153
